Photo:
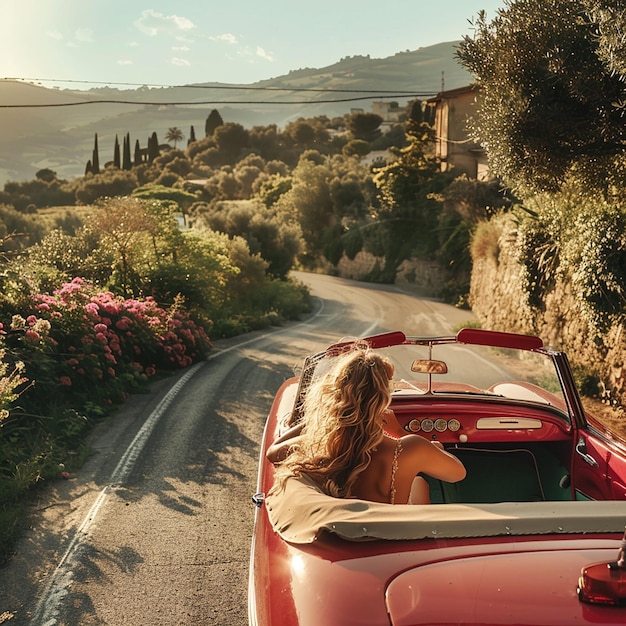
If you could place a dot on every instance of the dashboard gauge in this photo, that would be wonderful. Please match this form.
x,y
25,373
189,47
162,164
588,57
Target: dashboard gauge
x,y
454,425
441,425
414,426
427,425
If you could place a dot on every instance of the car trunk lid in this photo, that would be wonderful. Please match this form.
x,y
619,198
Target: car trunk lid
x,y
536,588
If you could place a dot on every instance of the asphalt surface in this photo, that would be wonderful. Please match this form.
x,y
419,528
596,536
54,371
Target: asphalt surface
x,y
156,527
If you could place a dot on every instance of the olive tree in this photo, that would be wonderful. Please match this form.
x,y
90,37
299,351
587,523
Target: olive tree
x,y
548,108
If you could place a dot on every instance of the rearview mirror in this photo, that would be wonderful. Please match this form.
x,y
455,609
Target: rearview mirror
x,y
428,366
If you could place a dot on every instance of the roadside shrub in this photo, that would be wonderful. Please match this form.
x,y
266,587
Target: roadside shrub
x,y
66,360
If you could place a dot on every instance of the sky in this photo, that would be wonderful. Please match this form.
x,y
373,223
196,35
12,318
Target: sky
x,y
152,42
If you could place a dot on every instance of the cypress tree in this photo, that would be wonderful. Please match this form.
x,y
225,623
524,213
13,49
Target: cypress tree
x,y
138,158
95,159
153,147
192,136
126,162
116,153
88,168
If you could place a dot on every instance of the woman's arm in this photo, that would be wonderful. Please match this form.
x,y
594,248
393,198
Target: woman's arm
x,y
430,458
279,448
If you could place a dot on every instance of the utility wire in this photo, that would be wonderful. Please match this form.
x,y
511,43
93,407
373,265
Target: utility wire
x,y
200,86
371,95
203,102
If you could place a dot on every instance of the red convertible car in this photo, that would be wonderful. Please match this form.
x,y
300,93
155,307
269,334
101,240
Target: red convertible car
x,y
533,535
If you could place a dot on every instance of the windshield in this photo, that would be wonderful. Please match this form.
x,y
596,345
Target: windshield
x,y
514,374
444,365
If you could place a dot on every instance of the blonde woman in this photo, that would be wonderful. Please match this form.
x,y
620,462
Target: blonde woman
x,y
350,442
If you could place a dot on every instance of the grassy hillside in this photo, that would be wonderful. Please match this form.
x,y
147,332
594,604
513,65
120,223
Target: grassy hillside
x,y
61,137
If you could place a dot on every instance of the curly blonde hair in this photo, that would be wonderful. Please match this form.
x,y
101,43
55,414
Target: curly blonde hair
x,y
342,415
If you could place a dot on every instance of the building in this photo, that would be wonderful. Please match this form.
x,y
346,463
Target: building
x,y
453,145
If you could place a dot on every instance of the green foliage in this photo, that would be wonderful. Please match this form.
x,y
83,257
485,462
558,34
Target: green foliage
x,y
213,121
352,242
307,133
17,231
231,139
309,203
357,147
110,183
409,213
40,192
582,242
174,197
265,231
610,16
273,187
547,108
332,244
365,126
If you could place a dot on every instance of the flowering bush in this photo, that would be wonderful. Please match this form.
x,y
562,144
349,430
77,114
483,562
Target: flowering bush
x,y
97,346
69,357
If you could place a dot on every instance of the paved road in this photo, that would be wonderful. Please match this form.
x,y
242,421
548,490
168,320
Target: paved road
x,y
155,529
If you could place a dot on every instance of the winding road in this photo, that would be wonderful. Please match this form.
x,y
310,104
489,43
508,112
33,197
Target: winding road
x,y
155,528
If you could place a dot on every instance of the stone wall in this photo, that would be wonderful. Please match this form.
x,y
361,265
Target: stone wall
x,y
426,276
500,301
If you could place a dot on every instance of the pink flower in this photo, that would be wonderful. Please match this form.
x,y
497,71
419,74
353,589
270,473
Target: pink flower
x,y
122,324
65,381
100,328
32,336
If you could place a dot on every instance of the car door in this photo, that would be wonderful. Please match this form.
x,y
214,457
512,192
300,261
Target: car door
x,y
598,465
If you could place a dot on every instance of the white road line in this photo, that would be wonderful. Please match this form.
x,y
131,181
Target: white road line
x,y
47,609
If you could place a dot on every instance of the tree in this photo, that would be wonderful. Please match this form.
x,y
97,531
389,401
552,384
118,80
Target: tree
x,y
47,175
301,132
192,136
365,126
116,154
138,160
610,15
174,134
409,214
126,162
153,147
212,122
547,106
95,159
133,230
231,139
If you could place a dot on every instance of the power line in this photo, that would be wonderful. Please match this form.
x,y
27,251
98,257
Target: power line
x,y
370,95
200,86
206,102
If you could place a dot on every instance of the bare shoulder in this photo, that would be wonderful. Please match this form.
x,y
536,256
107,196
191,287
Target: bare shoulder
x,y
414,442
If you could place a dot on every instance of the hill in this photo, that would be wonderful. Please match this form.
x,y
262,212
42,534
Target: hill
x,y
60,135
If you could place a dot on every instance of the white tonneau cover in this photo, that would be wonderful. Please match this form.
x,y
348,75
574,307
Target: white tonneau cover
x,y
301,512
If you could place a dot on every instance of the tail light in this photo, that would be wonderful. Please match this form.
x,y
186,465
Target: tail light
x,y
605,583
